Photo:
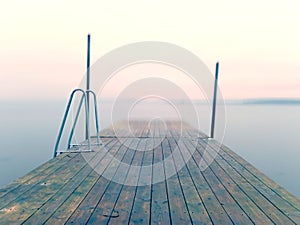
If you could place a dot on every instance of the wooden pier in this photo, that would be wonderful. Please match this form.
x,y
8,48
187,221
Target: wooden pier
x,y
92,188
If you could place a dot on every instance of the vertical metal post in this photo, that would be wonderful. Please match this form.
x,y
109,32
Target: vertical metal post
x,y
212,130
88,82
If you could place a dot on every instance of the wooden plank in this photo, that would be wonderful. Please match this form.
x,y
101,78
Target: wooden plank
x,y
178,208
36,173
52,204
247,167
213,206
244,169
160,208
19,187
194,203
242,198
122,201
43,213
127,194
167,183
84,211
141,209
259,200
33,199
248,207
105,207
279,208
66,209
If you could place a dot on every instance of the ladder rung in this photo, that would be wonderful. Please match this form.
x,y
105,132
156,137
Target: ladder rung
x,y
75,151
75,145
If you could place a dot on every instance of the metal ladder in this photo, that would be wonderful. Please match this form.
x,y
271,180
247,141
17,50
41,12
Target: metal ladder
x,y
84,100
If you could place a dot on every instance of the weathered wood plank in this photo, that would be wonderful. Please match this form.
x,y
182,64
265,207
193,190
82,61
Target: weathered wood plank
x,y
212,203
43,213
83,212
65,210
105,207
279,208
245,166
178,208
36,196
245,202
36,173
160,208
237,195
194,203
19,187
141,209
126,196
269,210
168,184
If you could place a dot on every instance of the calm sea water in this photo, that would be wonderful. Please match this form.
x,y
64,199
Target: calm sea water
x,y
265,135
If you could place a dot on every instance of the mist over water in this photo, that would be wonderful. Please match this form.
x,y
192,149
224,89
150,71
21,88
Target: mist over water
x,y
265,135
268,137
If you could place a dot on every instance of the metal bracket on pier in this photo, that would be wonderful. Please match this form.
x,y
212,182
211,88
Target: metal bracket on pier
x,y
83,99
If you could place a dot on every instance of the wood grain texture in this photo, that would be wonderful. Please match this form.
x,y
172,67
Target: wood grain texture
x,y
148,173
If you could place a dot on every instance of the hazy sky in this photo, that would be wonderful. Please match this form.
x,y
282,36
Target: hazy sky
x,y
43,43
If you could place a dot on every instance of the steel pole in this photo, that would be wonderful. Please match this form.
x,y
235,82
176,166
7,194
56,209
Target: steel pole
x,y
88,82
213,117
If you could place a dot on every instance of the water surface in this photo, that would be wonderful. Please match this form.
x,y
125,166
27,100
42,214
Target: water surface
x,y
265,135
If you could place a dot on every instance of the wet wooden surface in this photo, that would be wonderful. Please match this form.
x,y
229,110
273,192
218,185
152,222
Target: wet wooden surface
x,y
152,173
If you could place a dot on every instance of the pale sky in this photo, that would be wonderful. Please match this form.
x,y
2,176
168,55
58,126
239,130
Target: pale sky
x,y
43,43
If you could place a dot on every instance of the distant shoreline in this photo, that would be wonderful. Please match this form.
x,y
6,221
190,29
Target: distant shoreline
x,y
254,101
271,101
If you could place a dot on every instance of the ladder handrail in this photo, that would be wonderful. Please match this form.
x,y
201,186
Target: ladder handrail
x,y
83,97
77,115
75,122
96,114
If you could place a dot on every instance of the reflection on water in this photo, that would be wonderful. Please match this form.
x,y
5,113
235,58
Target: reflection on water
x,y
265,135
